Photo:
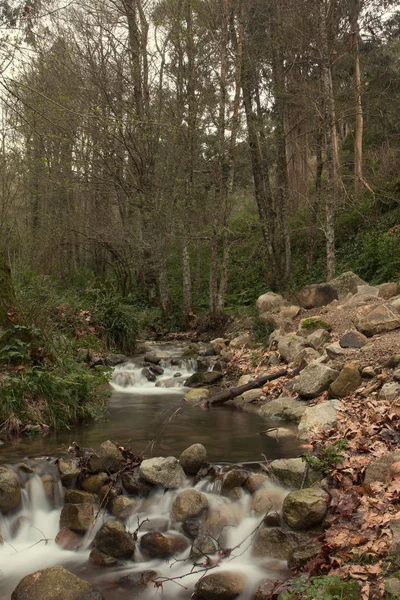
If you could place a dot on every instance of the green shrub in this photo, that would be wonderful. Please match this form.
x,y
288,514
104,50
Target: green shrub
x,y
117,322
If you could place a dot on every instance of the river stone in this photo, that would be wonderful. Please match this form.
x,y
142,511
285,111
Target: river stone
x,y
264,590
256,482
380,319
69,470
291,472
378,469
193,458
319,417
101,559
79,497
94,483
304,358
49,487
69,540
113,539
275,542
77,517
315,379
389,391
123,507
10,490
134,485
265,500
353,339
224,585
349,381
233,479
197,395
305,508
159,545
346,283
108,458
203,545
300,556
316,295
318,339
165,472
112,360
218,519
152,358
290,345
198,380
368,372
187,504
54,583
288,409
268,303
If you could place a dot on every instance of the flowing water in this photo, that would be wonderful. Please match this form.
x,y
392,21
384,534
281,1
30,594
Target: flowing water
x,y
151,418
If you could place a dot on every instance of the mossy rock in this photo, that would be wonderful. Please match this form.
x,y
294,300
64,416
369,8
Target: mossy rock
x,y
325,588
313,323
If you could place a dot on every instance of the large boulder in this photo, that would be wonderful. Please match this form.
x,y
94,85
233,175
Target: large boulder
x,y
165,472
316,295
69,540
187,504
79,497
159,545
77,517
305,508
389,290
193,458
222,585
275,542
202,546
380,319
293,472
54,583
379,469
199,380
346,284
134,485
268,303
353,339
349,381
319,417
290,345
314,380
195,396
10,491
113,539
285,408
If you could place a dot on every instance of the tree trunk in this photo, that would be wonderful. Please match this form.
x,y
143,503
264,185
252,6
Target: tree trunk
x,y
7,296
187,280
214,274
359,124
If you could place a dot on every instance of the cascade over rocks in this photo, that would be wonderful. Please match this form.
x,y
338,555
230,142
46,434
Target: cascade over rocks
x,y
10,491
68,470
187,504
54,583
159,545
113,539
77,517
165,472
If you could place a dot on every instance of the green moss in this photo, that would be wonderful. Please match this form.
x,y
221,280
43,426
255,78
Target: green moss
x,y
324,588
314,323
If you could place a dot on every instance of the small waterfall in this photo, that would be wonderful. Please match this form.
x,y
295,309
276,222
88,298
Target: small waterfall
x,y
131,378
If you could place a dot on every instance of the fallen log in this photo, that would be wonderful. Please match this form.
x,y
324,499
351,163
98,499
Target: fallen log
x,y
233,392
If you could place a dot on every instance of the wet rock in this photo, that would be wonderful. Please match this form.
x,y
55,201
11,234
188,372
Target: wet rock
x,y
290,345
203,545
54,583
108,458
49,487
226,585
268,303
289,409
206,471
320,417
10,491
134,484
318,338
304,358
353,339
389,391
388,290
233,479
191,527
101,559
275,542
68,470
123,506
291,472
305,508
379,469
77,517
193,458
152,377
152,358
79,497
69,540
112,360
156,524
250,396
272,519
256,482
267,500
218,519
157,370
301,555
279,433
159,545
94,483
264,590
380,319
315,379
346,284
196,396
187,504
349,381
138,580
113,539
109,493
198,380
165,472
316,295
